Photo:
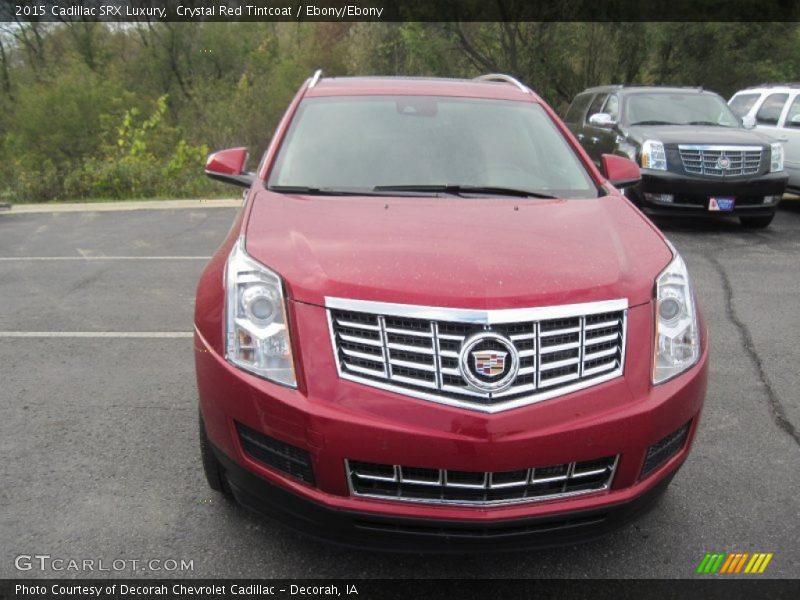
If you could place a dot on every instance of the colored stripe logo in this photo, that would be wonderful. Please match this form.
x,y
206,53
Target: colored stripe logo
x,y
733,563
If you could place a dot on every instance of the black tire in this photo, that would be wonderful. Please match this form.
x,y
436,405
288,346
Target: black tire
x,y
215,475
756,222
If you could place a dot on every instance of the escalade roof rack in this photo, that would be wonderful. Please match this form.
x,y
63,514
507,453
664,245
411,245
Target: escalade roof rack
x,y
500,77
315,78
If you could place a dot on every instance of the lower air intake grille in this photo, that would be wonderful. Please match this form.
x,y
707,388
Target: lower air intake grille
x,y
444,486
279,455
664,449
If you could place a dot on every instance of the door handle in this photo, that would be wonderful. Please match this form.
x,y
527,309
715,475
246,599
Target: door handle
x,y
594,139
783,139
579,136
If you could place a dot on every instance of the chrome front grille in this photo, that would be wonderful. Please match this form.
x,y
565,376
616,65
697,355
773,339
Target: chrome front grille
x,y
443,486
417,351
721,161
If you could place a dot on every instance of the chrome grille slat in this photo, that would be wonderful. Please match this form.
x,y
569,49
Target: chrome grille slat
x,y
416,350
702,160
447,486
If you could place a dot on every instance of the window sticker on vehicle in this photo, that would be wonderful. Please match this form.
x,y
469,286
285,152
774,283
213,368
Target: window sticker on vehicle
x,y
721,204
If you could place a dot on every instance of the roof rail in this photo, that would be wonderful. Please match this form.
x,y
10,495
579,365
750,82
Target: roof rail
x,y
500,77
315,78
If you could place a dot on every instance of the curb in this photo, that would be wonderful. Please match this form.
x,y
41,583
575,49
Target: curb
x,y
18,209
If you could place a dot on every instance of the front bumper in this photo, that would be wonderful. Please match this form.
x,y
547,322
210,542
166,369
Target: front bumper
x,y
335,420
691,194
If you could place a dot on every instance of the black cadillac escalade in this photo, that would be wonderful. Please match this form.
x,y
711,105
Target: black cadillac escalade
x,y
696,157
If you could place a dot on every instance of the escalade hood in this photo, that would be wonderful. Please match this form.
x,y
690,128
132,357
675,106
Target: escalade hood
x,y
695,134
457,252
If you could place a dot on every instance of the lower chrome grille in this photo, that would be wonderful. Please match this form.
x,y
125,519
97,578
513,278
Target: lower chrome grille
x,y
424,352
444,486
720,161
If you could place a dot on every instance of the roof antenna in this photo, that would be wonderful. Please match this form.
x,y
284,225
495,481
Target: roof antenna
x,y
315,78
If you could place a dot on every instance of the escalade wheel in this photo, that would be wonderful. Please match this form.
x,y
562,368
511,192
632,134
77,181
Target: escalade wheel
x,y
215,476
757,222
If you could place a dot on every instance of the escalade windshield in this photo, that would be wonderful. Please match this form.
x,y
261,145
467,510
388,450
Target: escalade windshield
x,y
676,108
427,145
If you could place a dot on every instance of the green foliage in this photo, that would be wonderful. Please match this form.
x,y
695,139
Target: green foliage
x,y
97,110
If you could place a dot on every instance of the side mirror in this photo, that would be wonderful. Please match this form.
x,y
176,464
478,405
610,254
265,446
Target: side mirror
x,y
620,172
604,120
794,121
228,165
748,121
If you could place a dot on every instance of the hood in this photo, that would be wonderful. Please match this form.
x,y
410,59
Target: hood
x,y
457,252
696,134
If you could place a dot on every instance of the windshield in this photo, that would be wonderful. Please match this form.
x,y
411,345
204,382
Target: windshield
x,y
427,145
676,108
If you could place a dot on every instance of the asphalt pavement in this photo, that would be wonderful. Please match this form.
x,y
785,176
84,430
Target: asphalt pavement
x,y
98,414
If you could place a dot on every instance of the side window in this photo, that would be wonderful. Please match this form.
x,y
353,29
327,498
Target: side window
x,y
576,110
770,110
612,107
596,106
742,103
793,116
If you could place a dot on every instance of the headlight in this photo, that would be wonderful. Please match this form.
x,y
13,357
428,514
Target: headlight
x,y
677,345
256,329
776,161
653,156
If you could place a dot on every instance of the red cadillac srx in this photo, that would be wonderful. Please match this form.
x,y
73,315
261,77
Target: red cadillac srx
x,y
435,324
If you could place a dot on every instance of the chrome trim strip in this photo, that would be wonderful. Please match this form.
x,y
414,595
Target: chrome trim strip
x,y
720,148
477,316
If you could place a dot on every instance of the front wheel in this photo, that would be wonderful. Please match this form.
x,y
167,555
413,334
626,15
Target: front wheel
x,y
215,475
756,222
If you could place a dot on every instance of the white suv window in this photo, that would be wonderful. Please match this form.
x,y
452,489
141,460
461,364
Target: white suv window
x,y
742,103
771,108
794,113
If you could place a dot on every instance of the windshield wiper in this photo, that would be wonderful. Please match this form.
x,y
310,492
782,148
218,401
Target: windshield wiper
x,y
319,191
711,123
653,123
462,189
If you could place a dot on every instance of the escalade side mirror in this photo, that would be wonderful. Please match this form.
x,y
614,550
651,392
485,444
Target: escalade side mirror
x,y
748,121
604,120
228,165
621,172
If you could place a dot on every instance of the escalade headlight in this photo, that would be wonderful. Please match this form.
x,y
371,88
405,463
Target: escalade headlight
x,y
677,343
256,329
653,156
776,160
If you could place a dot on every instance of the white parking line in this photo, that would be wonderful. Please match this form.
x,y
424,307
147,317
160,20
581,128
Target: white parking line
x,y
35,258
96,334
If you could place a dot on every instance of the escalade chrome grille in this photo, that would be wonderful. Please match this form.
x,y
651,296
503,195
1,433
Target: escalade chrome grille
x,y
559,349
443,486
721,161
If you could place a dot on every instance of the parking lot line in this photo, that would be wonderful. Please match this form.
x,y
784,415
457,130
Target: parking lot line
x,y
96,334
45,258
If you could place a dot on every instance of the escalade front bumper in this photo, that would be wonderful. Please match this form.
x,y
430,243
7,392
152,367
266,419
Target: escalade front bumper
x,y
691,194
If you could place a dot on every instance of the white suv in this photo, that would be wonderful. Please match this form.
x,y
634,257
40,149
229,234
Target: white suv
x,y
775,109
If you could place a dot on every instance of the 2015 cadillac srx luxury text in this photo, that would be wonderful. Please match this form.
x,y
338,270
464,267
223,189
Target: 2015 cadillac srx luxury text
x,y
436,324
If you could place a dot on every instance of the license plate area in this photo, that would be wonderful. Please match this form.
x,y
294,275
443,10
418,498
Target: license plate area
x,y
721,203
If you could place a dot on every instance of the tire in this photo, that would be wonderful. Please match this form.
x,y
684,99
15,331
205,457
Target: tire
x,y
215,474
756,222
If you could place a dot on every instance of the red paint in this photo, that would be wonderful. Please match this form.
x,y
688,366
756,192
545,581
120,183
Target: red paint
x,y
424,251
620,169
227,162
